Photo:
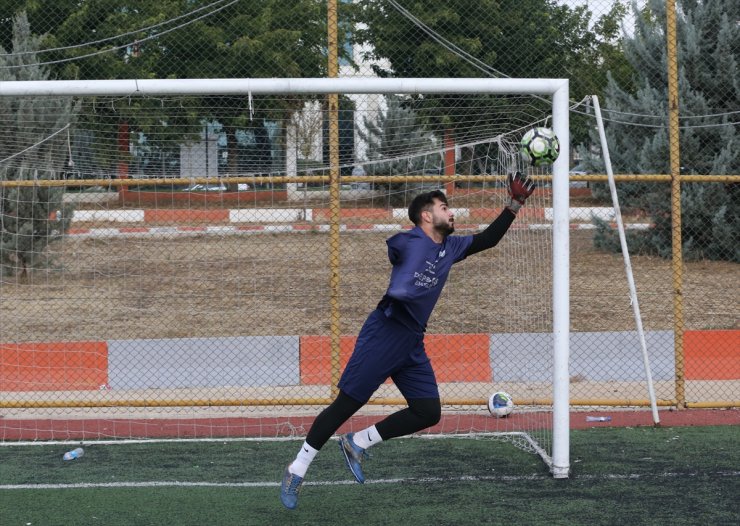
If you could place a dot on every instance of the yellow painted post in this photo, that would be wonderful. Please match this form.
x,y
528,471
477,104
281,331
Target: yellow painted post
x,y
334,198
675,167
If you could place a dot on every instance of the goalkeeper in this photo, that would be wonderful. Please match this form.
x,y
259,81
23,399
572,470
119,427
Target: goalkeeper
x,y
391,342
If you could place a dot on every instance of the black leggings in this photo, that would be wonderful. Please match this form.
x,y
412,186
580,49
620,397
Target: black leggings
x,y
420,414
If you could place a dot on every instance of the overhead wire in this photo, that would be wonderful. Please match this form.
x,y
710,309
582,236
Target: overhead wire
x,y
122,46
482,66
115,37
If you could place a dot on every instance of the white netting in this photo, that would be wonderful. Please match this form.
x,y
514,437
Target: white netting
x,y
185,273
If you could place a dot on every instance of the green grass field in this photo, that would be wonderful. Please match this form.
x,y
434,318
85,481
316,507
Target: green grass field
x,y
629,476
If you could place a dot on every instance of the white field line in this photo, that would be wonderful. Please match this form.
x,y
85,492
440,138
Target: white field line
x,y
114,442
420,480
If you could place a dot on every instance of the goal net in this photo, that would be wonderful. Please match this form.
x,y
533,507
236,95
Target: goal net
x,y
195,258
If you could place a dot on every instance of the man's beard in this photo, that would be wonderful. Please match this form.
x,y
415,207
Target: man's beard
x,y
445,228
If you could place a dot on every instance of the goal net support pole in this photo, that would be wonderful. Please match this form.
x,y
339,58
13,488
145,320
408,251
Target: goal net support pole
x,y
626,257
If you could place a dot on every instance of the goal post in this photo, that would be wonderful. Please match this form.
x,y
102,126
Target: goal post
x,y
561,289
492,153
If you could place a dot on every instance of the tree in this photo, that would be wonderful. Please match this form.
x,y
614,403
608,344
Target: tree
x,y
307,124
32,133
512,38
709,94
255,39
399,144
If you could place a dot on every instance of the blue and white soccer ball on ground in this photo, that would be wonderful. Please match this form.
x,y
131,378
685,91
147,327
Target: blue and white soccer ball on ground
x,y
540,146
500,404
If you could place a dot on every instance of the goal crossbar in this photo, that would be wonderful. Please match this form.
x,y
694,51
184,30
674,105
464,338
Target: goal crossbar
x,y
162,87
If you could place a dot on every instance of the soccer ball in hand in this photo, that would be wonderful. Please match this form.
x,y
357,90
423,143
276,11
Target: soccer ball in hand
x,y
500,404
540,146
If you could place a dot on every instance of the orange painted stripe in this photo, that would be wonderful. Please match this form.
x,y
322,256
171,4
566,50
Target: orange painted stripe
x,y
712,355
315,358
460,357
455,357
489,214
324,214
53,366
484,214
163,215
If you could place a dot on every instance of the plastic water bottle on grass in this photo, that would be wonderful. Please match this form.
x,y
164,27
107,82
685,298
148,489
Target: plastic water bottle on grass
x,y
75,453
598,419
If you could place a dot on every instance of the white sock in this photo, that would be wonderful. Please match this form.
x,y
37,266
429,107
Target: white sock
x,y
303,460
367,437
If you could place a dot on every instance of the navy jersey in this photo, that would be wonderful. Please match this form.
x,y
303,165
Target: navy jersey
x,y
420,269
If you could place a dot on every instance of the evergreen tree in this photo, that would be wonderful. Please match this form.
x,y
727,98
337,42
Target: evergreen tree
x,y
708,37
398,144
28,152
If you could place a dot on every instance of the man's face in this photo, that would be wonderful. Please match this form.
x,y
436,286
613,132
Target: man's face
x,y
443,220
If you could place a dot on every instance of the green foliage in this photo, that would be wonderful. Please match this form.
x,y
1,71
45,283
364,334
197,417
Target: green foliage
x,y
245,39
255,39
709,94
399,144
25,225
502,38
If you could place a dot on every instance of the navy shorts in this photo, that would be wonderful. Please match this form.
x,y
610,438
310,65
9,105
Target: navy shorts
x,y
385,349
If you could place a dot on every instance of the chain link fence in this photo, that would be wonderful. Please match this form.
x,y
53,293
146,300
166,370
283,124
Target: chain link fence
x,y
181,240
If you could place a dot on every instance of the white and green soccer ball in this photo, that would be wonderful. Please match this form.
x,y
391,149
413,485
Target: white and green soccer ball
x,y
540,146
500,404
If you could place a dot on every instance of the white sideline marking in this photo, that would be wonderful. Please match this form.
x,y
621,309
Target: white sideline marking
x,y
264,215
124,441
118,216
423,480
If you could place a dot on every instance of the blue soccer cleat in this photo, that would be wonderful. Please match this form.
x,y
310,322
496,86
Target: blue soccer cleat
x,y
353,455
289,489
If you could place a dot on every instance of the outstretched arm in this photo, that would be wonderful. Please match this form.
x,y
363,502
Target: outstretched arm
x,y
520,188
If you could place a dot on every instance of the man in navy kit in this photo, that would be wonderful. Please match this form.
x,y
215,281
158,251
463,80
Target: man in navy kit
x,y
391,342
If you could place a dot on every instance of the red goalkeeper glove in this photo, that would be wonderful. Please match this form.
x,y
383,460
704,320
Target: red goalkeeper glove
x,y
520,188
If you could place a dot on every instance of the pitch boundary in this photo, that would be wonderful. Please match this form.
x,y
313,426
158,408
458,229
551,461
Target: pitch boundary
x,y
410,480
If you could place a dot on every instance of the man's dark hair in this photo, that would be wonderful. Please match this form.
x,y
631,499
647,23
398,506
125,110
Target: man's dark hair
x,y
424,202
